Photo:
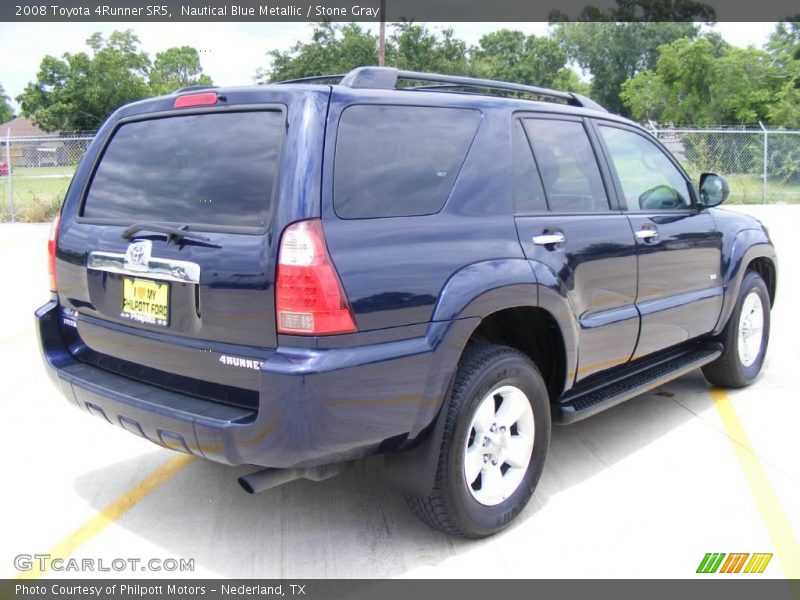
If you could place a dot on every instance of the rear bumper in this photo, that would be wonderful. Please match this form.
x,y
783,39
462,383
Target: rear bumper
x,y
315,406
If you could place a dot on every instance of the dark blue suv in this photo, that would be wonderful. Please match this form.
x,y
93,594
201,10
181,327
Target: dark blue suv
x,y
298,275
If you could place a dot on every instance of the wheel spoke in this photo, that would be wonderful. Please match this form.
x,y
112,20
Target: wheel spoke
x,y
492,483
512,408
484,416
473,462
518,451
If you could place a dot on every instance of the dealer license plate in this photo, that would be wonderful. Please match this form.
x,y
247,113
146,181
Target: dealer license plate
x,y
145,301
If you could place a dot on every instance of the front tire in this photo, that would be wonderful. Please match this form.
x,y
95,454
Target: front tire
x,y
495,441
744,338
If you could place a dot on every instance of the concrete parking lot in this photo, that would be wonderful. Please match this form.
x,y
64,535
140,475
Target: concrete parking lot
x,y
643,490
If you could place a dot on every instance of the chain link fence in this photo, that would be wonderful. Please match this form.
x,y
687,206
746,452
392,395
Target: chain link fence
x,y
761,165
35,173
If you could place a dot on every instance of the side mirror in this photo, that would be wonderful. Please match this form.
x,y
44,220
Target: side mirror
x,y
661,197
714,190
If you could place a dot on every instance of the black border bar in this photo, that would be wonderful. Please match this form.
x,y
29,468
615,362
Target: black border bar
x,y
442,11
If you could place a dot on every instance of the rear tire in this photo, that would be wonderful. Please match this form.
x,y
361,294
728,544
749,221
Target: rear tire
x,y
744,338
495,441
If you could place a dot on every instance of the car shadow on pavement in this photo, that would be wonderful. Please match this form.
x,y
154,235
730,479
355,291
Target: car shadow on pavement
x,y
353,525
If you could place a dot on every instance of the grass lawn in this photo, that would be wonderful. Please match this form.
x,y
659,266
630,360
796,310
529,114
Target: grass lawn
x,y
749,189
38,192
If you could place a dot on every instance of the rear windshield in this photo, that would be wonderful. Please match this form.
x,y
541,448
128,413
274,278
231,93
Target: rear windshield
x,y
394,161
210,169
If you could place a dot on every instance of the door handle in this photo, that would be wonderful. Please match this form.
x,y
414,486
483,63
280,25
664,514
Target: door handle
x,y
647,234
549,238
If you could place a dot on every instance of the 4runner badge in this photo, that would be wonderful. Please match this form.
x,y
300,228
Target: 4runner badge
x,y
236,361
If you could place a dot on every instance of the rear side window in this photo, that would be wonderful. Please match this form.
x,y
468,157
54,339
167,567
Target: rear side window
x,y
568,165
526,183
396,161
211,169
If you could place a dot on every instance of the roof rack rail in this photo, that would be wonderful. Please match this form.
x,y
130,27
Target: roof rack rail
x,y
312,78
385,78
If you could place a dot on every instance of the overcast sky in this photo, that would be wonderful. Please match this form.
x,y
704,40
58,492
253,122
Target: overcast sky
x,y
230,52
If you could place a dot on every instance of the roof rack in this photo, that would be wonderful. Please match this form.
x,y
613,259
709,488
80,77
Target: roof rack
x,y
385,78
313,78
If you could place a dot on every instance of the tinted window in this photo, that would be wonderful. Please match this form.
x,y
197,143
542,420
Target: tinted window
x,y
568,166
527,185
649,179
213,169
396,161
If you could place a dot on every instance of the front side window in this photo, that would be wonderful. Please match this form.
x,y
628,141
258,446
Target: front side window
x,y
396,161
568,166
649,179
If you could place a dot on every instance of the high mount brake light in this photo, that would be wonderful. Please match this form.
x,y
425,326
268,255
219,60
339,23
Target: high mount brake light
x,y
309,298
190,100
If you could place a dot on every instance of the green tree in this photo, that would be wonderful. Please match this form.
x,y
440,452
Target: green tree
x,y
698,82
78,91
784,45
333,49
655,11
176,68
505,54
336,48
612,53
416,48
6,113
784,42
510,55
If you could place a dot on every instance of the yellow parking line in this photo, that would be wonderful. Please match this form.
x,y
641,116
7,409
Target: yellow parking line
x,y
111,512
778,525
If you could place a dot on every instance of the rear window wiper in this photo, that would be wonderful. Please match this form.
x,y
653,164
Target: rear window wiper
x,y
173,233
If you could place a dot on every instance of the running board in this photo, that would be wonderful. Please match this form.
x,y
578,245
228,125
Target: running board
x,y
632,381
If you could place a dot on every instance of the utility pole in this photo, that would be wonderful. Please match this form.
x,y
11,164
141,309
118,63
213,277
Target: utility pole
x,y
382,36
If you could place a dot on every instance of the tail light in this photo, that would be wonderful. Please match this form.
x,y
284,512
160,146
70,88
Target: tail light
x,y
51,252
309,298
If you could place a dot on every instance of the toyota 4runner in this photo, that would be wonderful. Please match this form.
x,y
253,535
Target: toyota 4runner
x,y
298,275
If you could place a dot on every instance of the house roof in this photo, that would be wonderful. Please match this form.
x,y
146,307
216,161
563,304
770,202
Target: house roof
x,y
22,127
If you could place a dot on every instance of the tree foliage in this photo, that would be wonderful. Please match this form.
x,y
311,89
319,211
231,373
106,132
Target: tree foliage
x,y
784,42
505,54
416,48
78,91
784,45
703,82
332,49
176,68
6,113
510,55
654,11
612,53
